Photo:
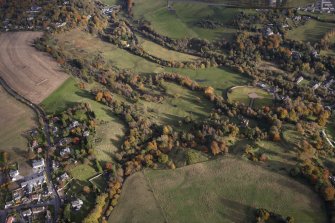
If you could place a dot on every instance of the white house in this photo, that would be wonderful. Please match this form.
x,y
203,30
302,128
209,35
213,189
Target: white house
x,y
299,80
65,151
13,173
77,204
38,164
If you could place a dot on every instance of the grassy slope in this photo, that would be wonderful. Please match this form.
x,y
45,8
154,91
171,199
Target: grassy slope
x,y
182,23
226,190
79,43
312,31
179,103
241,95
161,52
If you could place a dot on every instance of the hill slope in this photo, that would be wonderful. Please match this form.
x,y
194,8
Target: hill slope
x,y
227,190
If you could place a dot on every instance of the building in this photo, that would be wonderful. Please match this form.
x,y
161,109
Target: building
x,y
316,86
324,5
299,80
38,164
13,173
34,182
65,151
26,213
76,204
38,210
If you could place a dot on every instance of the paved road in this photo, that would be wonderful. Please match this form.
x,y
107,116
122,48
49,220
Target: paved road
x,y
56,201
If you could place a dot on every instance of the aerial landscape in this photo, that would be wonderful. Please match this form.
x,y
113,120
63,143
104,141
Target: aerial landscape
x,y
167,111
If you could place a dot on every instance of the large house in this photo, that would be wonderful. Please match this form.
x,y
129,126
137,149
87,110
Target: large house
x,y
38,164
325,5
34,182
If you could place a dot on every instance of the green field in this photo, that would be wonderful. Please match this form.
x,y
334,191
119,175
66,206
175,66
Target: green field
x,y
241,95
219,78
312,31
110,2
163,53
111,135
226,190
179,102
181,24
82,172
69,94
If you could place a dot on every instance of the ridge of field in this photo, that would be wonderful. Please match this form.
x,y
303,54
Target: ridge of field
x,y
182,22
312,31
77,42
31,73
163,53
225,190
16,118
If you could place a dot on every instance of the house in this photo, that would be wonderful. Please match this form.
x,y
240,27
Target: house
x,y
64,177
34,182
86,133
325,5
38,210
65,151
299,80
38,164
74,124
26,213
76,204
35,197
59,25
9,204
316,86
13,173
268,32
10,219
17,194
315,54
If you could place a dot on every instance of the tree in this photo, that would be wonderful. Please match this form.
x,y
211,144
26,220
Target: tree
x,y
329,193
215,148
109,166
87,189
67,213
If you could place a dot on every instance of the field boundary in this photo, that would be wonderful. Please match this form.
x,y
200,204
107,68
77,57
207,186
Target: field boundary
x,y
155,196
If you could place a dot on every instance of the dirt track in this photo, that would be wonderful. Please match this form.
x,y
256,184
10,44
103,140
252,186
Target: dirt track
x,y
31,73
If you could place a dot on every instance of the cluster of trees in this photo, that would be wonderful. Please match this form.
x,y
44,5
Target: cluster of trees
x,y
50,14
263,216
95,214
328,39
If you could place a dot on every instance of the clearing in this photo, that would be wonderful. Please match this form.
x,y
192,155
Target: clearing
x,y
16,118
225,190
31,73
245,95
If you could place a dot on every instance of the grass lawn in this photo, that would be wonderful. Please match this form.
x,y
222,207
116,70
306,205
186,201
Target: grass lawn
x,y
100,183
241,95
182,23
82,172
69,94
75,191
163,53
110,2
225,190
110,137
219,78
312,31
179,103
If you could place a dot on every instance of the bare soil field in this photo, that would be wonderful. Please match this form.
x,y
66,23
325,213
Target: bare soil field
x,y
15,119
225,190
31,73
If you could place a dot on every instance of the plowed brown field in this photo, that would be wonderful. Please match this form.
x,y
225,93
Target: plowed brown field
x,y
33,74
